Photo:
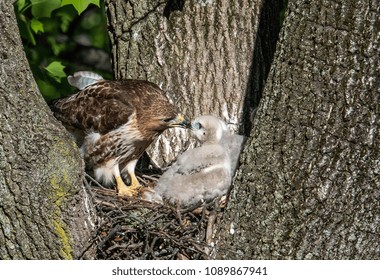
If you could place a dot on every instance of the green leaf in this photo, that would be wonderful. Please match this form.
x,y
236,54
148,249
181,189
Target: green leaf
x,y
67,15
47,89
57,47
43,8
55,70
36,26
25,30
20,4
80,5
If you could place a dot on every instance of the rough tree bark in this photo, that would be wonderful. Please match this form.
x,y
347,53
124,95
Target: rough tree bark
x,y
200,52
44,213
308,186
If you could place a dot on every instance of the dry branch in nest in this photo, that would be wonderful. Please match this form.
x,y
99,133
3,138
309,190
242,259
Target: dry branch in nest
x,y
131,228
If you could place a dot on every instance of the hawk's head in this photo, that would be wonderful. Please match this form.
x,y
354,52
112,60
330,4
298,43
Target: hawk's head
x,y
161,122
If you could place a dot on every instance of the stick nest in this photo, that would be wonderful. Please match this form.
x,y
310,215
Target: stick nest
x,y
131,228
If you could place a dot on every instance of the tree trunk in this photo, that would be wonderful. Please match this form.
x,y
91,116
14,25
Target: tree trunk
x,y
199,52
308,186
44,213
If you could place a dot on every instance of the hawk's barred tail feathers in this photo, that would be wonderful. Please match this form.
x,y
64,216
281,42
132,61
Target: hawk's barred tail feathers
x,y
83,79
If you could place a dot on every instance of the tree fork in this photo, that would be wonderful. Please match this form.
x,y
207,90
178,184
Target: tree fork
x,y
202,55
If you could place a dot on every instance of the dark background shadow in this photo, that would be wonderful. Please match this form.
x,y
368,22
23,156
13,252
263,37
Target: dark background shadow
x,y
271,17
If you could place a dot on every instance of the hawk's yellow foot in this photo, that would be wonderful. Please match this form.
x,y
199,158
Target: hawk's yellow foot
x,y
123,189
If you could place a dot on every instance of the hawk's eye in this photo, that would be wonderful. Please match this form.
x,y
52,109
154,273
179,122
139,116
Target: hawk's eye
x,y
197,125
167,120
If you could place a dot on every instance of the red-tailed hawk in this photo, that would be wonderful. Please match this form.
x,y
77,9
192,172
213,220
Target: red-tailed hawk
x,y
202,173
117,121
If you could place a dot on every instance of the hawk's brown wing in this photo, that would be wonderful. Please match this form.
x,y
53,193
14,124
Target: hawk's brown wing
x,y
107,105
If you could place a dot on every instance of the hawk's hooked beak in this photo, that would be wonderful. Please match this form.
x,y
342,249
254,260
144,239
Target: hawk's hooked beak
x,y
180,121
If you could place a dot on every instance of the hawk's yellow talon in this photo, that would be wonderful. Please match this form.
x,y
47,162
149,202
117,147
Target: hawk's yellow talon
x,y
124,190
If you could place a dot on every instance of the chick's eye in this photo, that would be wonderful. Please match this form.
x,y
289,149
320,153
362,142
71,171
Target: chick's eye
x,y
197,125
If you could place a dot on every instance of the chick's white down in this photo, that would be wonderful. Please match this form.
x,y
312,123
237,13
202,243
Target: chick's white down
x,y
202,173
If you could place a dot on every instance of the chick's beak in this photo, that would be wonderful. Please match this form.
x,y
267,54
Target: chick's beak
x,y
180,121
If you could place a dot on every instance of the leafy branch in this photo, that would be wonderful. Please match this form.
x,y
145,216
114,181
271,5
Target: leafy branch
x,y
50,30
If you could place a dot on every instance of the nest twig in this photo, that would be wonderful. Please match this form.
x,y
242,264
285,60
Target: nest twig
x,y
131,228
